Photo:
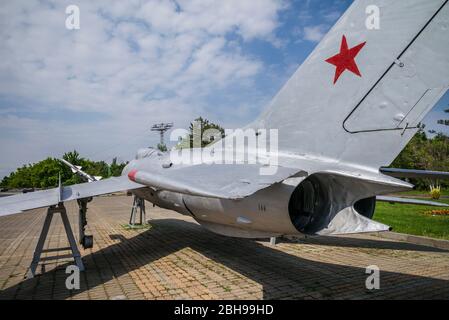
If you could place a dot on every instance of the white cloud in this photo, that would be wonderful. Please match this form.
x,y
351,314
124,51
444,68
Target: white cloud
x,y
332,16
315,33
136,62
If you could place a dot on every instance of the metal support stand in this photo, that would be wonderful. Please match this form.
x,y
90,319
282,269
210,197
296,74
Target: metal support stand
x,y
138,204
40,244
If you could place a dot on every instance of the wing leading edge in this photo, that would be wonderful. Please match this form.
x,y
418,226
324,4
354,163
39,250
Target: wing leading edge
x,y
27,201
419,174
410,201
234,181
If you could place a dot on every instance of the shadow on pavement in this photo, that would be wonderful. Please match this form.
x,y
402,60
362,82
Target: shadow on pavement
x,y
347,242
281,275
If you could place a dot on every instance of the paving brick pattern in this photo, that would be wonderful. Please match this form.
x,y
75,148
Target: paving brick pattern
x,y
177,259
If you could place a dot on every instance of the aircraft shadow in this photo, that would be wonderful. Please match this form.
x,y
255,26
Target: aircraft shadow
x,y
364,243
281,275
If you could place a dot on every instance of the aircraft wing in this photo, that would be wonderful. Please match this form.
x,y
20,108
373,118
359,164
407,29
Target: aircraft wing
x,y
216,181
411,201
38,199
420,174
233,181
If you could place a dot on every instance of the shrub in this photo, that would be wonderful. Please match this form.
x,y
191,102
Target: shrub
x,y
435,192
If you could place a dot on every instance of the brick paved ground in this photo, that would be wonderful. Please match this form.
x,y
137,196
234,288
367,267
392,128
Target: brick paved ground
x,y
178,259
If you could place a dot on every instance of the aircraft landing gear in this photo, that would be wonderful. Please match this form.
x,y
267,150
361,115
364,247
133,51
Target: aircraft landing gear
x,y
138,205
87,241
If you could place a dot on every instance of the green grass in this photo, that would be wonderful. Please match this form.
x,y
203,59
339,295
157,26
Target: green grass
x,y
411,219
136,227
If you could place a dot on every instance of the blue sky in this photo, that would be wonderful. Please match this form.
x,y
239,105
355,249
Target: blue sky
x,y
135,63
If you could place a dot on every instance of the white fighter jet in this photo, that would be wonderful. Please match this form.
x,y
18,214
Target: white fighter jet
x,y
346,113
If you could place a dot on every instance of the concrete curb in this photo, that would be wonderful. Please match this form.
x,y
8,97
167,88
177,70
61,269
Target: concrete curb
x,y
423,241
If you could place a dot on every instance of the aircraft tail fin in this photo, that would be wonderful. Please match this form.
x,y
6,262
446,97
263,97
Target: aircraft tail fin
x,y
362,93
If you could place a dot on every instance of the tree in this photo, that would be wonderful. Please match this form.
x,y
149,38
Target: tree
x,y
73,157
162,147
423,153
45,173
202,133
99,168
115,170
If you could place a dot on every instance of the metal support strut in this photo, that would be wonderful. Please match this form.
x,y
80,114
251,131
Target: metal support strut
x,y
40,244
138,204
85,240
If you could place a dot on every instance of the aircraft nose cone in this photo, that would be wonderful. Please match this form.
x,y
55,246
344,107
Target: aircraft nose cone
x,y
132,175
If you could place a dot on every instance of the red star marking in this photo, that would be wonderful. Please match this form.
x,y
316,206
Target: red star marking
x,y
345,59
